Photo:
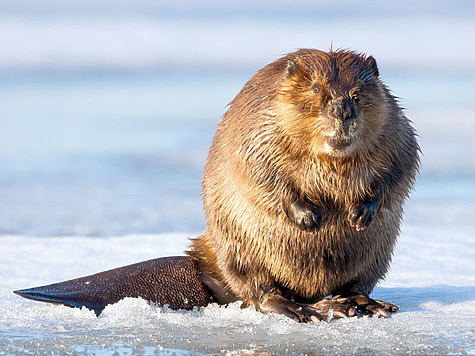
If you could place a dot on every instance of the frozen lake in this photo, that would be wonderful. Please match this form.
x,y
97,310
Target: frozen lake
x,y
430,281
106,115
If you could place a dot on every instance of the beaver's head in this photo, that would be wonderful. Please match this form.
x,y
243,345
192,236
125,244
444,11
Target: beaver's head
x,y
332,102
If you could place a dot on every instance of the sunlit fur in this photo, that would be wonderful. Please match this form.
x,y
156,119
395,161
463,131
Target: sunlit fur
x,y
338,76
272,146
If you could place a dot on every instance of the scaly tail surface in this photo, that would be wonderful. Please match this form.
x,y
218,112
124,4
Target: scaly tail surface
x,y
169,280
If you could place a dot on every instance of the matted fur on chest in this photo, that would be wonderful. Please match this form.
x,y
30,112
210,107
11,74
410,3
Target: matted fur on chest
x,y
307,263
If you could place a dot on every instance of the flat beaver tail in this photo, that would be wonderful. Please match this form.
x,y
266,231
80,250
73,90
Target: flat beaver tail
x,y
172,281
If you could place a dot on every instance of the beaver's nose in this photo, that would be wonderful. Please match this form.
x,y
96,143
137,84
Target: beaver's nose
x,y
343,109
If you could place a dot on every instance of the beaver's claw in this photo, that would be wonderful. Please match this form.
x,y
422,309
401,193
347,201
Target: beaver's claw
x,y
299,312
304,214
364,305
336,307
361,215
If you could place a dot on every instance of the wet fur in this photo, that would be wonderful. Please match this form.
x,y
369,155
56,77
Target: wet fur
x,y
270,150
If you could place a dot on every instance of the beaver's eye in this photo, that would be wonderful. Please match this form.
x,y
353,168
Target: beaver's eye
x,y
355,95
316,89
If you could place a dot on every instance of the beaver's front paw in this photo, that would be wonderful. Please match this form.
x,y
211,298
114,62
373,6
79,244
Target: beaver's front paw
x,y
361,215
304,214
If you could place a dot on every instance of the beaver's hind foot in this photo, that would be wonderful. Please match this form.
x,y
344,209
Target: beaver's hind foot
x,y
301,313
364,305
333,308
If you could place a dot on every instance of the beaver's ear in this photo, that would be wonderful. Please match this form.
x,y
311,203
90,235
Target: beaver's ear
x,y
293,67
372,66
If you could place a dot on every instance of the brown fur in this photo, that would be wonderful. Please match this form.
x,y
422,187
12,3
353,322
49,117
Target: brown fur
x,y
271,149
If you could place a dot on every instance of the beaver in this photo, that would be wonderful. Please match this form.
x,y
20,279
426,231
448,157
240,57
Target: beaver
x,y
303,188
303,192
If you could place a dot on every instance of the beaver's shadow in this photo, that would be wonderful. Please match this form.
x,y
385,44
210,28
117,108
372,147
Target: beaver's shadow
x,y
412,298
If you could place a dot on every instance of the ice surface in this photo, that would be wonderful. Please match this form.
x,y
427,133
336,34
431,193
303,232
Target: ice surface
x,y
437,312
82,36
107,110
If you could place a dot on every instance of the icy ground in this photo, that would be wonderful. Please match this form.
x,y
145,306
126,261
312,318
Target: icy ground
x,y
431,280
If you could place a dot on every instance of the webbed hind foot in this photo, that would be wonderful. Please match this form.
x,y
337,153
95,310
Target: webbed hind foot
x,y
336,307
365,305
301,313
